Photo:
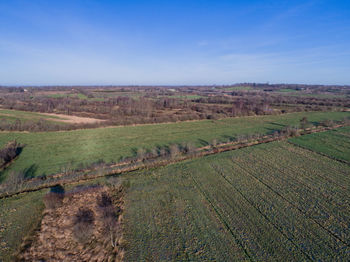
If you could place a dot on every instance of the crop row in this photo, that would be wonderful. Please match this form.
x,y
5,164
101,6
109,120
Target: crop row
x,y
317,186
273,201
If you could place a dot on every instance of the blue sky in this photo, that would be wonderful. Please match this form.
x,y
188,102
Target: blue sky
x,y
174,42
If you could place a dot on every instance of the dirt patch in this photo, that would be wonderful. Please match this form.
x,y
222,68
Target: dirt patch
x,y
82,214
73,119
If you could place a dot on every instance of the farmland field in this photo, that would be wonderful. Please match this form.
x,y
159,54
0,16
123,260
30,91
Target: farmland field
x,y
268,202
334,143
18,216
13,115
49,152
325,96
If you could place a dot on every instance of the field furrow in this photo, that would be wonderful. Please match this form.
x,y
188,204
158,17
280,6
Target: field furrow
x,y
313,198
273,202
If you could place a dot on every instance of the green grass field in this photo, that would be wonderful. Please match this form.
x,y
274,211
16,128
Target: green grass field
x,y
190,97
13,115
49,152
271,202
334,143
116,93
79,95
18,216
289,92
238,88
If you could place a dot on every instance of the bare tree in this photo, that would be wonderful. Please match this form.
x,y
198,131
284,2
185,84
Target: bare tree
x,y
109,218
304,122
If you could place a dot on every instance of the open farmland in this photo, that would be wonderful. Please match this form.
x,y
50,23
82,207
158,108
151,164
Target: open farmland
x,y
268,202
334,143
49,152
174,131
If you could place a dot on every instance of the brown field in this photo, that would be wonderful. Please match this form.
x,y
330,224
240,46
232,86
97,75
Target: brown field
x,y
50,242
74,119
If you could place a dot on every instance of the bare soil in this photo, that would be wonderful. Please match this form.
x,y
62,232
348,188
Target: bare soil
x,y
55,240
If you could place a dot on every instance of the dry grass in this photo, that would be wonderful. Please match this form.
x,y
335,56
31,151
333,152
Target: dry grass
x,y
60,238
73,119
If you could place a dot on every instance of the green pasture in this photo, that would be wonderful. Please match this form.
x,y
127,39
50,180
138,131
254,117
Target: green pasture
x,y
288,90
238,88
334,143
298,93
49,152
19,215
13,115
184,96
116,93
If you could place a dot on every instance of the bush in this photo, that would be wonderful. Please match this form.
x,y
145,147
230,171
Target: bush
x,y
9,152
188,148
174,150
214,142
54,198
104,200
14,181
327,123
83,225
109,218
141,154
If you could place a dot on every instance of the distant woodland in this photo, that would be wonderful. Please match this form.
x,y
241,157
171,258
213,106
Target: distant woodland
x,y
126,105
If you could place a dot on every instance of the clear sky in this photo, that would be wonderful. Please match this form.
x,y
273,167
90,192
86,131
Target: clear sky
x,y
174,42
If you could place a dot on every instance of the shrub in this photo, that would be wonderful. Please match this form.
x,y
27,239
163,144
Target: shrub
x,y
214,142
141,154
9,152
54,198
104,200
188,148
83,225
109,218
14,181
304,122
174,150
327,123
